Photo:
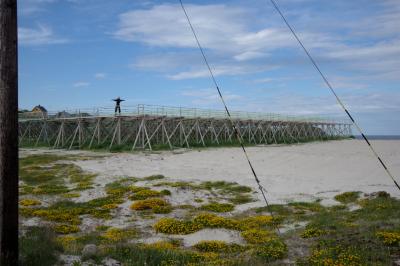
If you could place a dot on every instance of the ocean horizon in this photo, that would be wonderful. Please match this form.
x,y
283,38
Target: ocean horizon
x,y
380,137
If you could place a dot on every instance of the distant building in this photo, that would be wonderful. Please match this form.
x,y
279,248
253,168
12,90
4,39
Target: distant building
x,y
63,114
39,111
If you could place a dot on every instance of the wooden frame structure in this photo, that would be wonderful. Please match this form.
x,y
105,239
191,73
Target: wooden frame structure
x,y
157,131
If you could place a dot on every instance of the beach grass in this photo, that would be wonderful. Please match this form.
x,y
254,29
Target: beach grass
x,y
309,232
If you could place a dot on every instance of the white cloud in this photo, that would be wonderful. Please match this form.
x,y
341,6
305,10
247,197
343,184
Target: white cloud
x,y
232,35
209,97
227,70
100,75
42,35
80,84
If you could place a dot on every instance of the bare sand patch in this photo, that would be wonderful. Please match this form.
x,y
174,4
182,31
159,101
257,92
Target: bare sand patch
x,y
292,172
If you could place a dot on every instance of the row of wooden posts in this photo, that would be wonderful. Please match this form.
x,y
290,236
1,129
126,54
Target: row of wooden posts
x,y
149,132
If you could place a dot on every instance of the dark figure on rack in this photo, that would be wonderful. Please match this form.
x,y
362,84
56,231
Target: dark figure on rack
x,y
118,105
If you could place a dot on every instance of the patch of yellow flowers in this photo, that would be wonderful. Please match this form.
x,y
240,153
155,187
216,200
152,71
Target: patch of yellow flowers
x,y
389,238
144,194
29,202
66,229
148,204
312,232
324,257
256,236
117,234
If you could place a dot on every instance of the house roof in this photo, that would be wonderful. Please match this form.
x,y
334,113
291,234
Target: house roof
x,y
39,108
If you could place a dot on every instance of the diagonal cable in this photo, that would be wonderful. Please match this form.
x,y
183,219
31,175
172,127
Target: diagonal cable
x,y
237,134
314,63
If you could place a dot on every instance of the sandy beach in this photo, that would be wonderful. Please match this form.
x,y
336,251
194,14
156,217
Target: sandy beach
x,y
292,174
288,172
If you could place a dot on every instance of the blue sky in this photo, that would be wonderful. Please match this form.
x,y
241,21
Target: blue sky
x,y
83,53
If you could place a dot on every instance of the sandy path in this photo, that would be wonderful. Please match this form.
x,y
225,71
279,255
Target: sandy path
x,y
288,172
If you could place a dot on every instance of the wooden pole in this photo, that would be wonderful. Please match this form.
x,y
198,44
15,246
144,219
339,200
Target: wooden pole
x,y
8,133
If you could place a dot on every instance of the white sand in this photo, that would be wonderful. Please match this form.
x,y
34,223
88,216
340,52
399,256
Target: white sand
x,y
300,171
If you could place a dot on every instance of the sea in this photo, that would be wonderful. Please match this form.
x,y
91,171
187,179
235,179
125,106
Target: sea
x,y
380,137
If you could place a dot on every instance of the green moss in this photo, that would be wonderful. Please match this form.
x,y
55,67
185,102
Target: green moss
x,y
144,194
306,206
179,184
44,175
165,192
241,199
149,204
218,207
217,246
225,187
348,197
154,177
70,212
71,195
162,209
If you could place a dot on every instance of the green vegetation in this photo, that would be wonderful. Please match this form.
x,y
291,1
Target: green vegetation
x,y
217,246
217,207
335,235
149,204
361,237
154,177
43,174
38,247
348,197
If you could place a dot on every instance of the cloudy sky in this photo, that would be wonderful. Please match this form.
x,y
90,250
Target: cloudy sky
x,y
83,53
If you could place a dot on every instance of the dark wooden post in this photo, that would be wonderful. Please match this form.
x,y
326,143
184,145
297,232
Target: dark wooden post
x,y
8,133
